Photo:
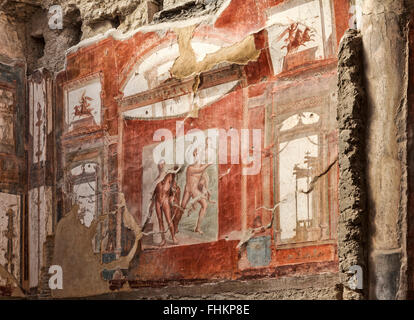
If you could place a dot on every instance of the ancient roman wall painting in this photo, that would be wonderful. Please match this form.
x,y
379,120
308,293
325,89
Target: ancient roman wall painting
x,y
83,112
301,33
40,191
181,200
9,236
7,119
84,186
304,129
83,104
192,155
9,204
13,262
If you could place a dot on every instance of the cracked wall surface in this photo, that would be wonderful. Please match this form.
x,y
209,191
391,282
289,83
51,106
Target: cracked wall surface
x,y
13,173
306,204
45,47
110,107
94,185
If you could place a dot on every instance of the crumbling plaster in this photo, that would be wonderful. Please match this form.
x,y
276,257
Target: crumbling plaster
x,y
186,65
94,23
46,47
385,139
352,229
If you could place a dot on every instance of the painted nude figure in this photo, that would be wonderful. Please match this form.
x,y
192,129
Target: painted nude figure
x,y
177,211
163,207
196,183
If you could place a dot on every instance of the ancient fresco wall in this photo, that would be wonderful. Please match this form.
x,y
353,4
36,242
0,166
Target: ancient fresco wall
x,y
203,149
10,240
188,154
10,44
13,266
41,172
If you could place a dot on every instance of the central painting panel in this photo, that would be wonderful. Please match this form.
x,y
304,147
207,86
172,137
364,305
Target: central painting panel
x,y
180,201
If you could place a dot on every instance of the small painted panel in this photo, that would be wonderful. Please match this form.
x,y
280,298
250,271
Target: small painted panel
x,y
38,119
38,210
300,33
10,233
7,120
259,251
84,104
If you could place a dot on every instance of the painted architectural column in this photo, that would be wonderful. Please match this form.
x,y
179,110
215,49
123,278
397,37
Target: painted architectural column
x,y
40,189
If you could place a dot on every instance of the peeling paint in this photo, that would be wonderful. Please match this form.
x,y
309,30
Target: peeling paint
x,y
82,267
187,65
109,214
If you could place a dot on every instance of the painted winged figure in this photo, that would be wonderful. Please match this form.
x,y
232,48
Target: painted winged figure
x,y
83,109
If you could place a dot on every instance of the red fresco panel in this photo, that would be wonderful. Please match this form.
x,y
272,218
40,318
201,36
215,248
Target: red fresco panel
x,y
240,10
285,93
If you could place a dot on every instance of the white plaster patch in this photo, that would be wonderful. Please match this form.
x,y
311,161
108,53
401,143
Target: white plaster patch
x,y
87,168
202,49
86,199
85,192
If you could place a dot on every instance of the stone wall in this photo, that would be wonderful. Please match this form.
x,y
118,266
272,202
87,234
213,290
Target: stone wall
x,y
352,230
385,65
